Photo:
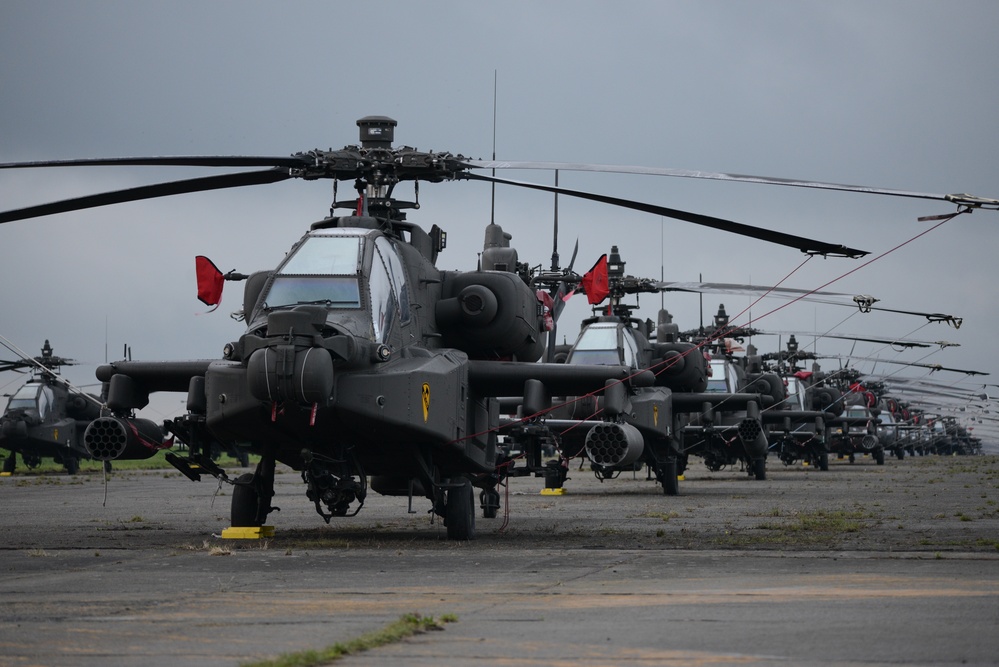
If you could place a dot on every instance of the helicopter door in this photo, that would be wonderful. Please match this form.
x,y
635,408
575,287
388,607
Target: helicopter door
x,y
389,292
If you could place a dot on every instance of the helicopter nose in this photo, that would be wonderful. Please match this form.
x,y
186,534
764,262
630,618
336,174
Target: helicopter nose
x,y
14,429
290,364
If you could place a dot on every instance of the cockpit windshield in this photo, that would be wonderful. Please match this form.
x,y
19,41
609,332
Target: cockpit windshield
x,y
323,270
32,396
598,345
718,377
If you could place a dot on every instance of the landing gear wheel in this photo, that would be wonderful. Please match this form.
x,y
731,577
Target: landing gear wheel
x,y
760,468
10,463
243,511
489,500
72,465
670,477
900,453
879,456
824,461
459,512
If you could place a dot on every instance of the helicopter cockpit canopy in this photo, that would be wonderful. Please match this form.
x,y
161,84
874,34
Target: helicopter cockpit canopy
x,y
721,377
795,393
32,396
323,270
330,267
604,344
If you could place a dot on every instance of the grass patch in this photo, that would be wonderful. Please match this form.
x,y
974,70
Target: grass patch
x,y
156,462
810,529
407,626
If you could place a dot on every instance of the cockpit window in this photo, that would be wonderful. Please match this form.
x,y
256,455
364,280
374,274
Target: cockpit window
x,y
597,345
323,270
24,397
795,393
325,255
33,397
718,378
396,274
324,290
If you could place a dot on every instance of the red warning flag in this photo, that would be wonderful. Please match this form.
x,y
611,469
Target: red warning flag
x,y
210,281
595,282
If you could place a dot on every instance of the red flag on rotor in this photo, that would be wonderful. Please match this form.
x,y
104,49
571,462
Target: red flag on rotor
x,y
210,281
595,282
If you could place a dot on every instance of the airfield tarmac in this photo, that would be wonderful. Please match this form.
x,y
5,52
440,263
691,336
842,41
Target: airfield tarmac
x,y
860,565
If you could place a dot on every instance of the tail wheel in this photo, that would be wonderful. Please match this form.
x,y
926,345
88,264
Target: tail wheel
x,y
245,499
459,512
670,477
489,500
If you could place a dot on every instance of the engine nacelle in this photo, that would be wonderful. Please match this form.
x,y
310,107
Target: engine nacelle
x,y
827,399
490,315
110,438
82,409
766,384
680,367
613,444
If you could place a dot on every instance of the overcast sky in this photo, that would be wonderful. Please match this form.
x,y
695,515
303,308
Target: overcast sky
x,y
888,94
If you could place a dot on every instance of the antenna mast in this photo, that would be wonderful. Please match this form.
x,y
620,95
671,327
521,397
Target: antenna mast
x,y
492,205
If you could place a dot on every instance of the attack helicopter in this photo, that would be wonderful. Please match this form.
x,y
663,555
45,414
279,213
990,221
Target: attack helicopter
x,y
729,428
659,426
46,417
796,426
360,357
625,427
816,390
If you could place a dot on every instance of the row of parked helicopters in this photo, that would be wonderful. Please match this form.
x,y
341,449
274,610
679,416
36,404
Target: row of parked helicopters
x,y
365,367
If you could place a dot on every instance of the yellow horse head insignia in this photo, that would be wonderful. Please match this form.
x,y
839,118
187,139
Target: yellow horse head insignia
x,y
426,402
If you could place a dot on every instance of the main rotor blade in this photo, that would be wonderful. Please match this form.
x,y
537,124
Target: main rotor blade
x,y
149,192
901,342
862,301
166,161
961,199
932,367
780,238
747,290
